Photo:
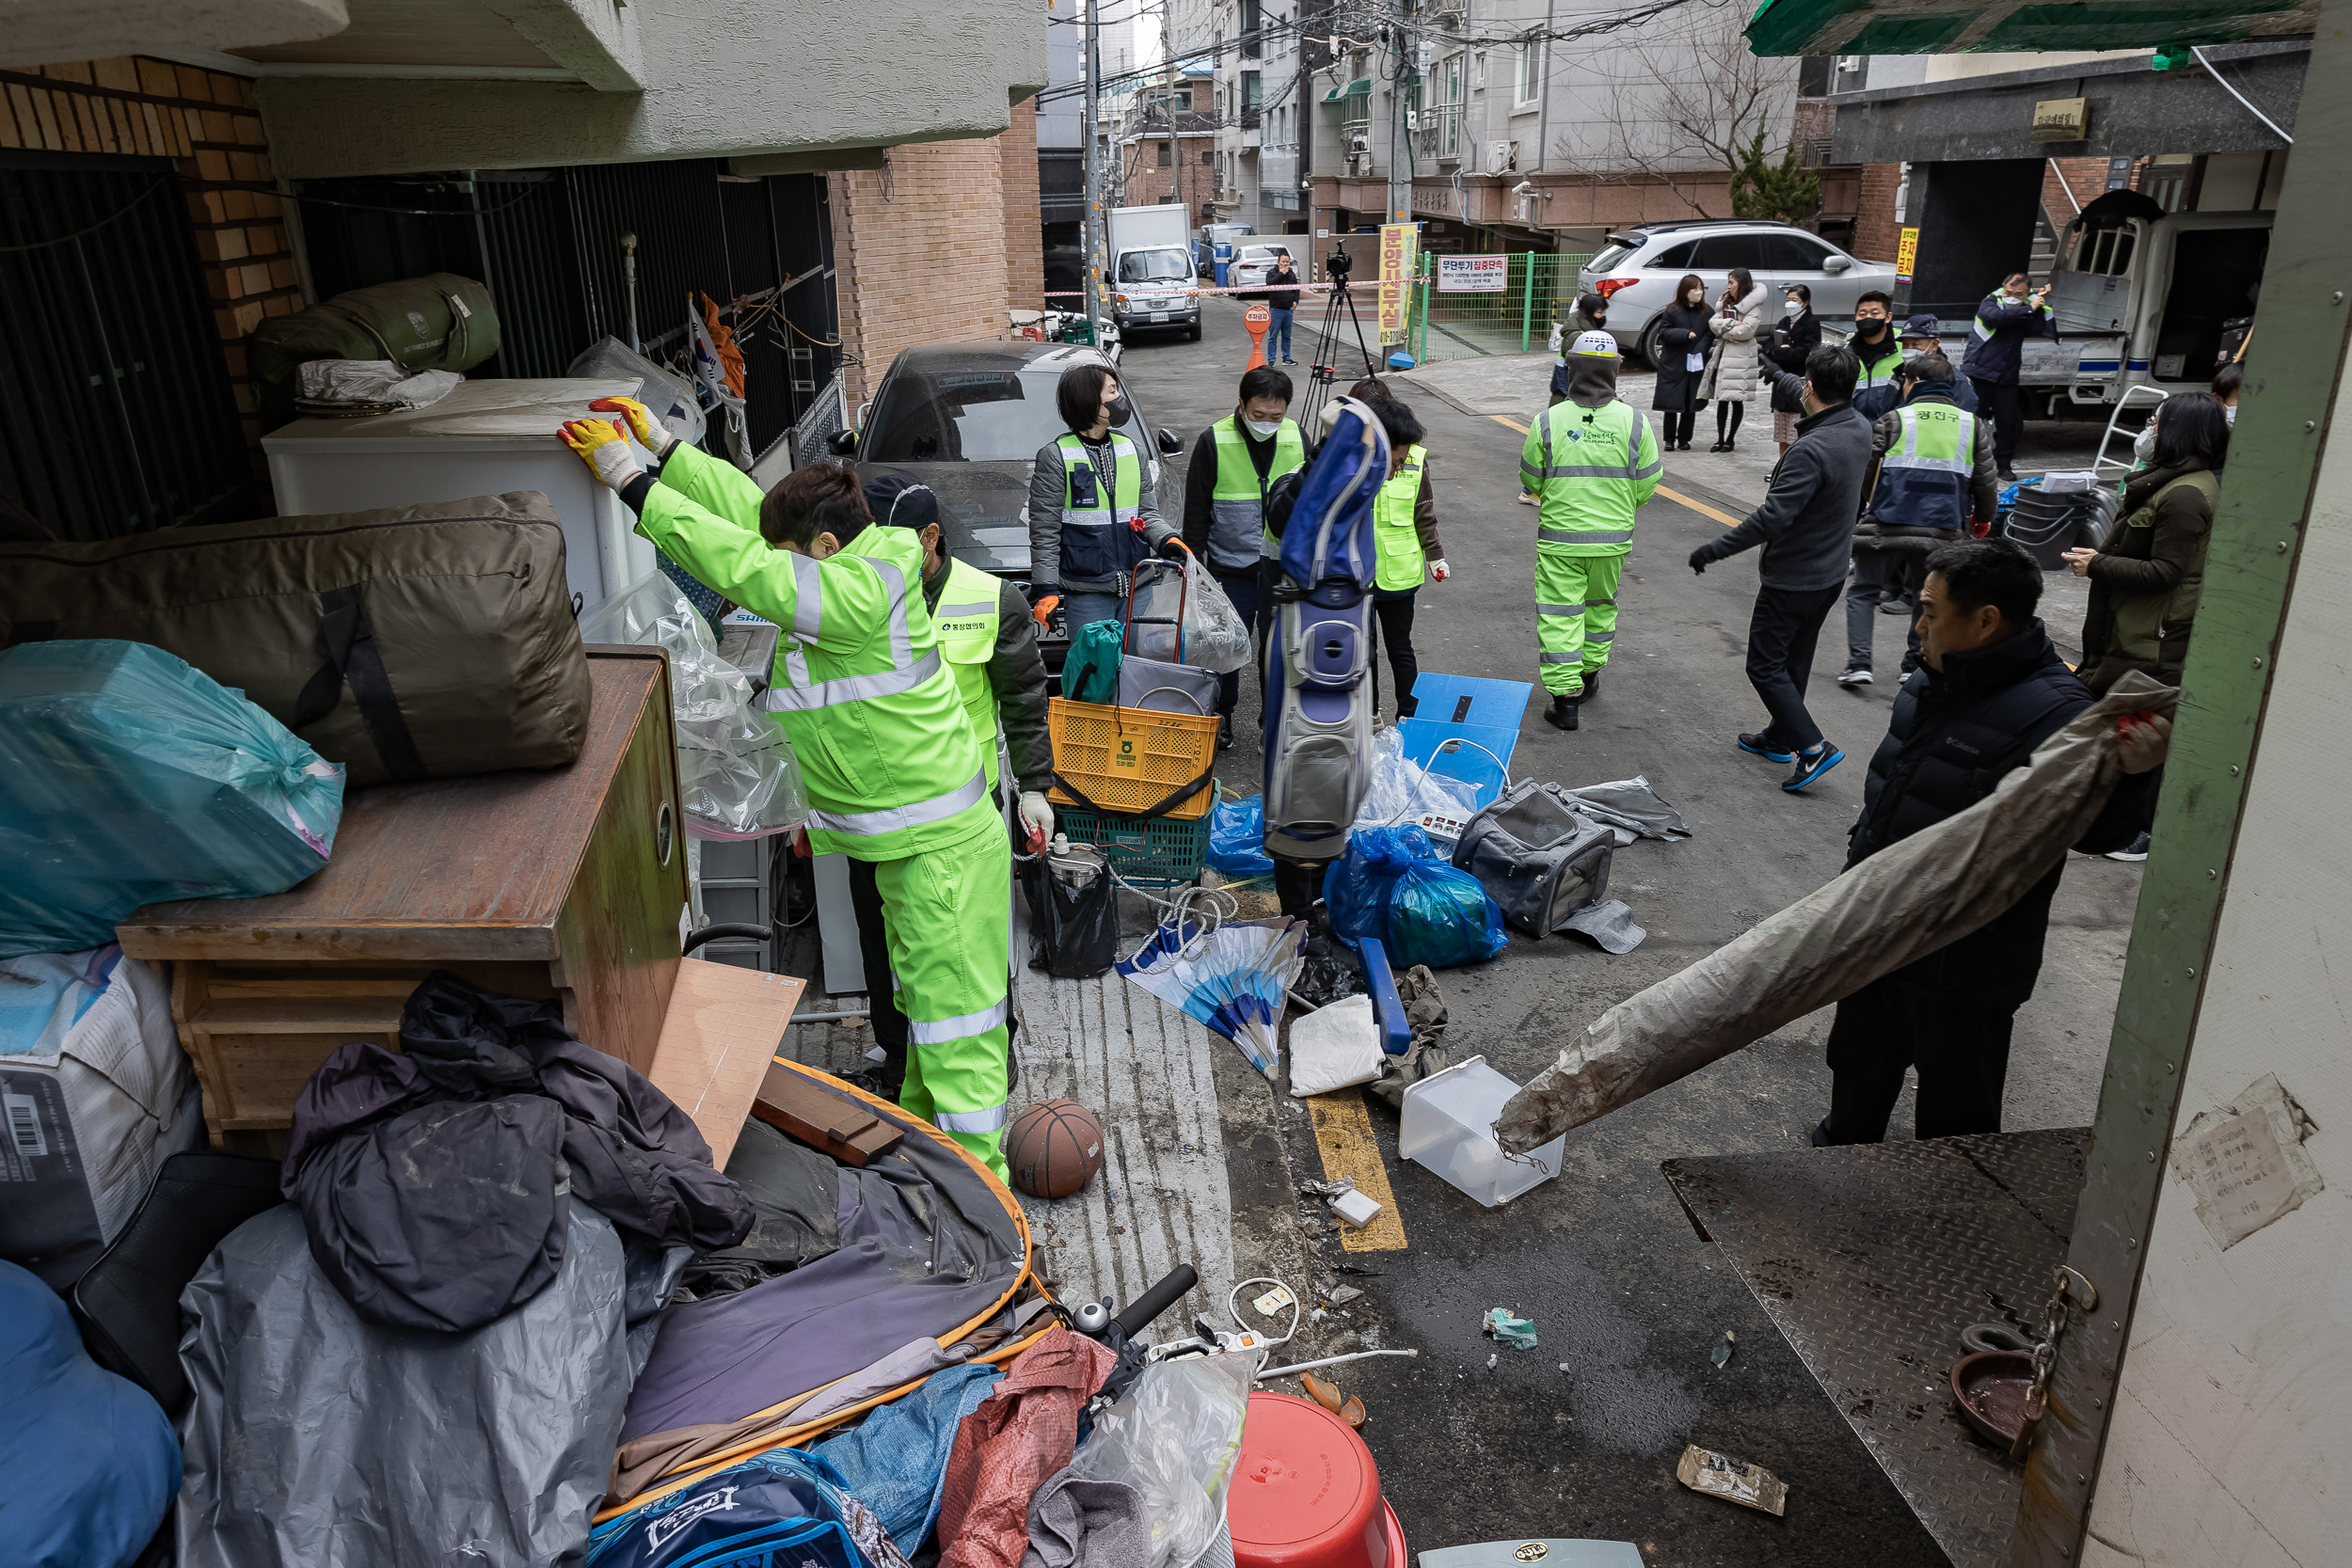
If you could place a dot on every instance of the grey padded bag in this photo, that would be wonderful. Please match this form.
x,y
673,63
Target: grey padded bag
x,y
1537,856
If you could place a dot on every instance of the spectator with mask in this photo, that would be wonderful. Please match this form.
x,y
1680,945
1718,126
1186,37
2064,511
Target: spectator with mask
x,y
1281,301
1877,350
1683,339
1734,377
1989,688
1235,464
1793,342
2146,579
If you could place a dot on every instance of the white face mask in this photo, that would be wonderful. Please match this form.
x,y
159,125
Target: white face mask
x,y
1265,430
1796,306
1695,296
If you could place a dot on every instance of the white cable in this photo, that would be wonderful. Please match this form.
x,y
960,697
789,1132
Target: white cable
x,y
1232,1304
2198,50
1329,1361
1451,740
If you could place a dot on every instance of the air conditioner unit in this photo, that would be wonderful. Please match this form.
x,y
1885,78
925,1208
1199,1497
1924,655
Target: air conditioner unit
x,y
1502,157
1359,143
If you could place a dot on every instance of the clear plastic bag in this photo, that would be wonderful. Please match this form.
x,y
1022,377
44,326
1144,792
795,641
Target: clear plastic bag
x,y
1175,1437
735,769
668,395
1178,613
1404,792
127,777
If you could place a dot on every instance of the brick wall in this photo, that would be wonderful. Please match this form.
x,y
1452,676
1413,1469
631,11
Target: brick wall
x,y
206,121
919,253
2086,178
1875,231
1025,229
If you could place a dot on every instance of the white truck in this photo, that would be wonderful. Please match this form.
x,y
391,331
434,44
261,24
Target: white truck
x,y
2140,301
1151,282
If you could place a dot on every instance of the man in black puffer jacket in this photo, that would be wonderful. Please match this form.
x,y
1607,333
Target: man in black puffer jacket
x,y
1990,689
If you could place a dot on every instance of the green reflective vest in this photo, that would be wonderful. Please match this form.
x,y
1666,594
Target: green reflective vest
x,y
1925,475
1877,371
966,618
1238,535
1100,538
1396,542
860,684
1591,468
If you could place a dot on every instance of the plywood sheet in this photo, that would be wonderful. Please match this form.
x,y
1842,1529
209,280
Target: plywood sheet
x,y
723,1025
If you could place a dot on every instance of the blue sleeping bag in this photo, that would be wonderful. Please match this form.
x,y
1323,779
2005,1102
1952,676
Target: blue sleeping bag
x,y
91,1459
781,1509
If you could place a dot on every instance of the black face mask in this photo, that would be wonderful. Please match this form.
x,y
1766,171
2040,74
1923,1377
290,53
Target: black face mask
x,y
1871,331
1600,320
1121,410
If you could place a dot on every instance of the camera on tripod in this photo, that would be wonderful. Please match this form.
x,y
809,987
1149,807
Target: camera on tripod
x,y
1338,264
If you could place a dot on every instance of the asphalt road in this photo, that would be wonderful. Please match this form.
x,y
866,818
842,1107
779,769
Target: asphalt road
x,y
1580,1436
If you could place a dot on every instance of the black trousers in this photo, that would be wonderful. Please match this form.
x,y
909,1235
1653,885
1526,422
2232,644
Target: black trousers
x,y
1782,631
2005,408
1679,426
1246,589
1961,1054
1394,619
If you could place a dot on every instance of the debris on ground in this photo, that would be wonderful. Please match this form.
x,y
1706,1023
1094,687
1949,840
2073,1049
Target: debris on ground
x,y
1355,1208
1274,1301
1322,1391
1505,1328
1722,1475
1723,1349
1339,1295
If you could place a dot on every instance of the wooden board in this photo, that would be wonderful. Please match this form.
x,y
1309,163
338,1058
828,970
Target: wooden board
x,y
718,1039
486,861
798,1108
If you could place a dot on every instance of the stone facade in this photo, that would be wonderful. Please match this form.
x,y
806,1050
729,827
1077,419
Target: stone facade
x,y
205,121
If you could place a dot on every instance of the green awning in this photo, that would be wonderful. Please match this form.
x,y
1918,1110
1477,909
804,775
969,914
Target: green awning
x,y
1790,28
1360,88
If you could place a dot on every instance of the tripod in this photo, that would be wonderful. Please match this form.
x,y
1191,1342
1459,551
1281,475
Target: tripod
x,y
1322,371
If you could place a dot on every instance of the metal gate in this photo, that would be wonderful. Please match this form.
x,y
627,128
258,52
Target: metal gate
x,y
115,412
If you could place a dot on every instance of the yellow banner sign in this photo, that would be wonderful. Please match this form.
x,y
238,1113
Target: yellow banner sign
x,y
1400,245
1906,252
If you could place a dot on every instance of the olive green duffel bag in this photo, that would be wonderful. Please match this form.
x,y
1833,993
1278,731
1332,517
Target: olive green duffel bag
x,y
413,642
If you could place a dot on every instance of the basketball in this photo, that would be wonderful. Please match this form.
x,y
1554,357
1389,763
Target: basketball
x,y
1054,1149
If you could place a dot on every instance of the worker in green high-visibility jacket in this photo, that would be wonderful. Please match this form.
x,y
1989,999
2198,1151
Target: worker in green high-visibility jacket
x,y
1590,461
893,770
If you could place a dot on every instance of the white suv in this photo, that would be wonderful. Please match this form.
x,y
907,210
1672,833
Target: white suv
x,y
1640,266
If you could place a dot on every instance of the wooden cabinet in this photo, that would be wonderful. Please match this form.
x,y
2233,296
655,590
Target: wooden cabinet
x,y
568,883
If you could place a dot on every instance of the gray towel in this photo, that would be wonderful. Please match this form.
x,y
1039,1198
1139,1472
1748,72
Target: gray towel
x,y
1079,1523
1609,923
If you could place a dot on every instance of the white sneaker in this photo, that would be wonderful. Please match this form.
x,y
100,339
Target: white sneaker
x,y
1856,678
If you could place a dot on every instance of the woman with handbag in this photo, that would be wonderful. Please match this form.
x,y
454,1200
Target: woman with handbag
x,y
1733,379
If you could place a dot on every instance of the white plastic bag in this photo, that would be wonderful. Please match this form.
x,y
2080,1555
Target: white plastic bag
x,y
1166,603
1334,1047
668,395
1404,793
735,769
1175,1437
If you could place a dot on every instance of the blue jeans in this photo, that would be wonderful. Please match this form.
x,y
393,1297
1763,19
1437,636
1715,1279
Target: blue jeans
x,y
1083,610
1278,337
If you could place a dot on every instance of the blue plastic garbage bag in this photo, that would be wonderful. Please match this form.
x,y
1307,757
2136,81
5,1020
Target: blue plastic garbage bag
x,y
778,1508
1238,838
1090,672
127,778
91,1459
1393,884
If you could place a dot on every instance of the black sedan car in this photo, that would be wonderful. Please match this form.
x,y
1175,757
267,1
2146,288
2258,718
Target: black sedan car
x,y
967,420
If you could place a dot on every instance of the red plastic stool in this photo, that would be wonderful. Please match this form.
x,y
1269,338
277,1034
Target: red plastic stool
x,y
1306,1493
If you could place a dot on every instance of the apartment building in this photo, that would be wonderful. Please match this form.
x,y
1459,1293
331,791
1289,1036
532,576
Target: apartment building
x,y
1262,114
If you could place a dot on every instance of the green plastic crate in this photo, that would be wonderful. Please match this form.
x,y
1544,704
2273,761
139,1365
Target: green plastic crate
x,y
1146,850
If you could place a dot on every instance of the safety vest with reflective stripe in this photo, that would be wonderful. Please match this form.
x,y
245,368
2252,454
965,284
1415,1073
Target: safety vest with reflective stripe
x,y
1878,371
860,684
1591,468
1396,542
1923,478
1238,535
966,618
1100,534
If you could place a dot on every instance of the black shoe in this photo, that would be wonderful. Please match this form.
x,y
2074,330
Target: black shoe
x,y
1721,445
1758,746
2006,476
1857,675
2135,850
1820,1137
1592,686
1561,715
1225,732
1812,765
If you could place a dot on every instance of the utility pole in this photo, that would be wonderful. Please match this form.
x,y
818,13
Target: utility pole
x,y
1094,179
1400,140
1175,142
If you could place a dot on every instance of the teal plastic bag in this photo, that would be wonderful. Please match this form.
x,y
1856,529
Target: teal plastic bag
x,y
1090,672
128,778
1393,885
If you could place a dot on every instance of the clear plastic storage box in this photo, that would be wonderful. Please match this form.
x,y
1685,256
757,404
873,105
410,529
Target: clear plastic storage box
x,y
1448,1127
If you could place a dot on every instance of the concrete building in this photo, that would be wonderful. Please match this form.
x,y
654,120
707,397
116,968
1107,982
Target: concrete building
x,y
1519,137
1261,115
1165,142
763,156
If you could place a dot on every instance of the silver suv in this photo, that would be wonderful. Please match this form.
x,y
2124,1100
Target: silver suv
x,y
1646,260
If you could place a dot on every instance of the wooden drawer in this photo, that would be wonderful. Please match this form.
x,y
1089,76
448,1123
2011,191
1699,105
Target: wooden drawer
x,y
568,883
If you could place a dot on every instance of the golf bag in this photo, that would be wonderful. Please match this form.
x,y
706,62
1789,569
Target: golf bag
x,y
1318,701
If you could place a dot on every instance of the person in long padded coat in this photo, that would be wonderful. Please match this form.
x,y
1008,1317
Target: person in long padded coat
x,y
1733,378
1683,339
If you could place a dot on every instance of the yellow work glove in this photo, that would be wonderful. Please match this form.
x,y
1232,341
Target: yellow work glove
x,y
651,432
601,444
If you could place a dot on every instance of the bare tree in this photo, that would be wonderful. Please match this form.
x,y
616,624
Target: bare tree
x,y
1677,101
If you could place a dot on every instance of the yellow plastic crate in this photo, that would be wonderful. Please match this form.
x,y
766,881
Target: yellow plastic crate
x,y
1127,760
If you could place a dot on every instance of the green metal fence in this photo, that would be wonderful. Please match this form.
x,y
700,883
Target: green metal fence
x,y
1539,287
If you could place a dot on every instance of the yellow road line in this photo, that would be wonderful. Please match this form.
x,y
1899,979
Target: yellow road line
x,y
1344,1135
1675,496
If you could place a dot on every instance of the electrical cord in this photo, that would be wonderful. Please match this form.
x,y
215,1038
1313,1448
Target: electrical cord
x,y
119,213
1233,1306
